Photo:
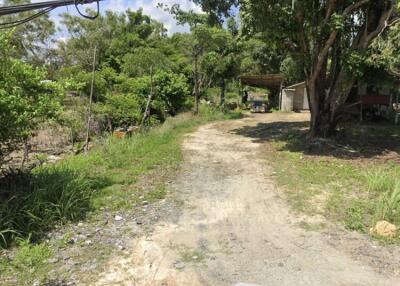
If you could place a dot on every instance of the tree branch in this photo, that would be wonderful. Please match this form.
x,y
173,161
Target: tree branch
x,y
383,24
332,38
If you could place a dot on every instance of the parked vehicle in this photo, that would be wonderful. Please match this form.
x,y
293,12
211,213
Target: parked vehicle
x,y
259,106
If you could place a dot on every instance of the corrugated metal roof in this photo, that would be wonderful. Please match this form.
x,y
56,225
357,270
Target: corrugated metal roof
x,y
296,85
272,81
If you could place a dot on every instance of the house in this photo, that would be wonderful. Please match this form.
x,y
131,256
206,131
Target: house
x,y
366,100
294,98
369,98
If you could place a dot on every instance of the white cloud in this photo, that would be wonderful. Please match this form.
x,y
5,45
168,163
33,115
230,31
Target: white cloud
x,y
149,8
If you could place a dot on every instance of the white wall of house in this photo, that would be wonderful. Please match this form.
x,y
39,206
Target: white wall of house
x,y
287,99
294,98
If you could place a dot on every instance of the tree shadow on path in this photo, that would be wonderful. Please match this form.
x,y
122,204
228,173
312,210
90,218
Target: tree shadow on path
x,y
352,142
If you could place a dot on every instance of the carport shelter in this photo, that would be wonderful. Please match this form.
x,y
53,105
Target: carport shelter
x,y
272,82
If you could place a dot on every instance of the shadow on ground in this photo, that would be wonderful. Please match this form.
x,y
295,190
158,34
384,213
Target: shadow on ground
x,y
353,141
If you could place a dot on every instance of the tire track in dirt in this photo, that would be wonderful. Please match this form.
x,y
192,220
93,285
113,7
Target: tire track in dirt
x,y
233,227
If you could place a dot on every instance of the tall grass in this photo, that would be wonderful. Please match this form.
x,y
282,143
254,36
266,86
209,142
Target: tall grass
x,y
36,201
384,184
31,203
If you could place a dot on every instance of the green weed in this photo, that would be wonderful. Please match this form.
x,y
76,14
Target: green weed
x,y
354,219
29,263
32,203
388,206
354,195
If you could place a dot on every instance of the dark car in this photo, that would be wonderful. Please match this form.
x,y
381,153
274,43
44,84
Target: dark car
x,y
259,106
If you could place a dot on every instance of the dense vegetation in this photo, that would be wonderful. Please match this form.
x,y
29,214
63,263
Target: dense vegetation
x,y
143,76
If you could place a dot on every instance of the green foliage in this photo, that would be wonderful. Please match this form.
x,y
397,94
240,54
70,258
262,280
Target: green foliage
x,y
121,109
25,101
342,191
354,219
337,21
384,53
29,263
171,95
28,40
144,62
33,203
388,207
355,63
384,183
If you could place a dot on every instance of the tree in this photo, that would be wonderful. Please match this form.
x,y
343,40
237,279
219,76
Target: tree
x,y
145,61
330,39
25,100
33,40
385,51
222,61
198,44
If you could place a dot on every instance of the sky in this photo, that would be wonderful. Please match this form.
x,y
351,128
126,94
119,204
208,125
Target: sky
x,y
149,8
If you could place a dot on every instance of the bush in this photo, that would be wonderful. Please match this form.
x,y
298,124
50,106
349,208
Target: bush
x,y
384,187
25,101
32,203
388,207
171,93
120,110
355,217
29,263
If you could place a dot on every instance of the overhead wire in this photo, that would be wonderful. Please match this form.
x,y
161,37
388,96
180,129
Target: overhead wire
x,y
44,7
12,24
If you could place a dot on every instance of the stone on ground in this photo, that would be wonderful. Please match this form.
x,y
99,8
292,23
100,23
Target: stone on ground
x,y
384,229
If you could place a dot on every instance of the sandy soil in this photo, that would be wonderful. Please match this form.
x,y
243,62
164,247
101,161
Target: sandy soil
x,y
234,228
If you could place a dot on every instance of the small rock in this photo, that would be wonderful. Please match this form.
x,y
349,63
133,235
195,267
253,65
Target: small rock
x,y
52,260
179,265
384,229
145,203
118,218
88,242
139,222
53,159
80,224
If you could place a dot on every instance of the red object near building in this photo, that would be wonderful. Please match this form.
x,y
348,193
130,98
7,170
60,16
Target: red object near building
x,y
375,99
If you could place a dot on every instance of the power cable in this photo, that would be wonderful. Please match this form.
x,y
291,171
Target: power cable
x,y
44,7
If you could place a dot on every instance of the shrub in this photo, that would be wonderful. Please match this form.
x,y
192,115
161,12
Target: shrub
x,y
355,217
29,263
31,203
25,100
171,93
388,207
384,186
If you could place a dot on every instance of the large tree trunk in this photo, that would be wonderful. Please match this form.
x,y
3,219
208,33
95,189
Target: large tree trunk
x,y
328,96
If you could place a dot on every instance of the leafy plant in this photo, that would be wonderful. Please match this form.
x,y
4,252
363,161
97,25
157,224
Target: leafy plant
x,y
25,100
388,207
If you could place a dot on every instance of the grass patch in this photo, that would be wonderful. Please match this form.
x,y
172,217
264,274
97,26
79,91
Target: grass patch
x,y
33,203
338,187
28,266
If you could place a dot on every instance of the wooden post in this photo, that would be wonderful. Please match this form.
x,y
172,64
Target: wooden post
x,y
149,99
89,116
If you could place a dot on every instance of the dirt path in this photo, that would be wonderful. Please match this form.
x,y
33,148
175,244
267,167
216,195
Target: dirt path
x,y
233,229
